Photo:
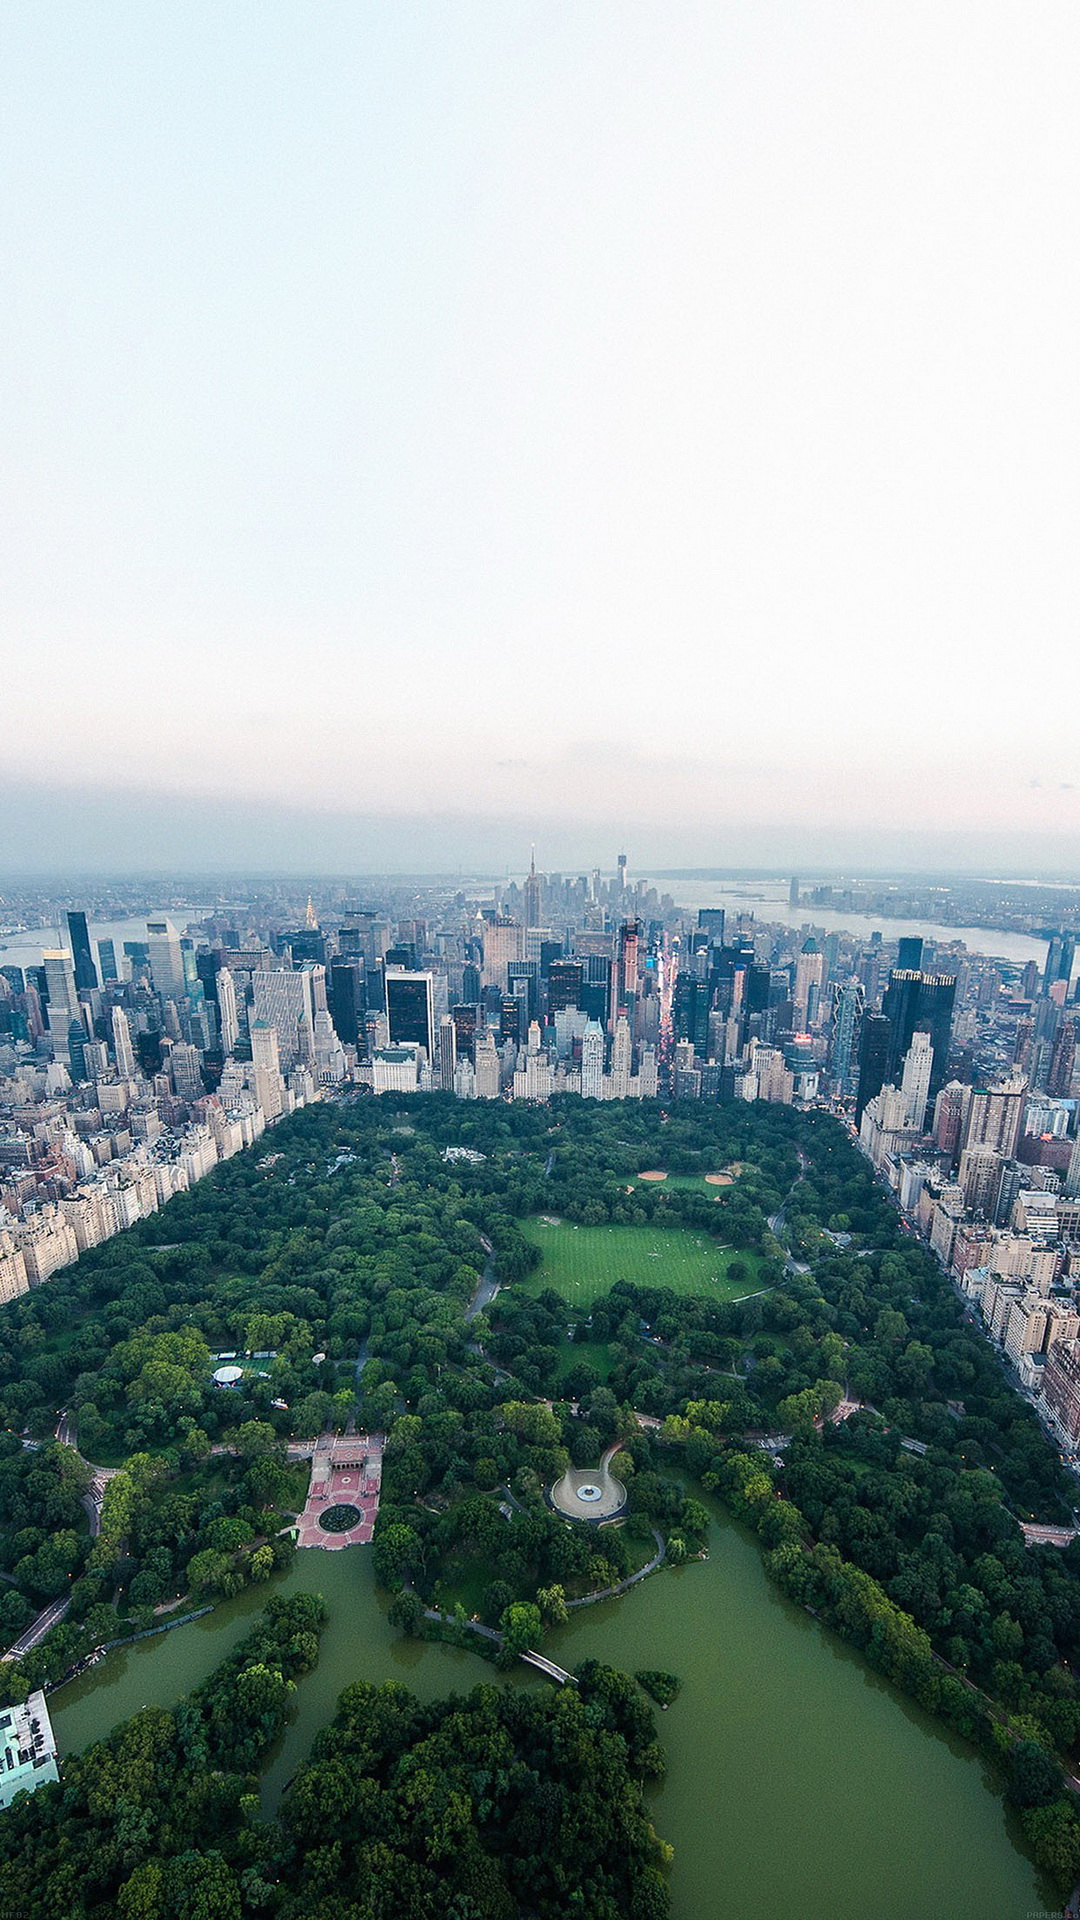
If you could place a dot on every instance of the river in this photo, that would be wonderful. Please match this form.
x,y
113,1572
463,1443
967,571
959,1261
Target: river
x,y
25,949
798,1781
767,900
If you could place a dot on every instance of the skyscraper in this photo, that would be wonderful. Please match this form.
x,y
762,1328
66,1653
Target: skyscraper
x,y
916,999
228,1019
873,1059
282,999
629,937
915,1085
564,983
995,1115
63,999
410,1010
848,1002
166,959
1062,1061
532,894
122,1047
86,978
809,979
592,1062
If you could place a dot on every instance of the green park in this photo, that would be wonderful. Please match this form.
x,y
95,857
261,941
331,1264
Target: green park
x,y
583,1263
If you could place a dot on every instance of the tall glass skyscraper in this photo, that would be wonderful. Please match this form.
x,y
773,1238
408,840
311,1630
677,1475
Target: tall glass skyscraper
x,y
79,934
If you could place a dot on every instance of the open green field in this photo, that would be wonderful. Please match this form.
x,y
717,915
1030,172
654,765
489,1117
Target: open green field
x,y
581,1263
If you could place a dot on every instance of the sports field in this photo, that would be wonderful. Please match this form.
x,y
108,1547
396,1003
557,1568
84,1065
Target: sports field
x,y
581,1263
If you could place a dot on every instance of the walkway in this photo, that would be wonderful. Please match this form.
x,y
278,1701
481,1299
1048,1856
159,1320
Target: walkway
x,y
612,1593
91,1500
344,1472
548,1666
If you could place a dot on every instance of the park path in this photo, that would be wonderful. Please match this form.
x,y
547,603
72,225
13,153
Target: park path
x,y
67,1434
487,1286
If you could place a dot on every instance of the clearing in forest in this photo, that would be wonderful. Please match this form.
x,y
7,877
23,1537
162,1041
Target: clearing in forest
x,y
581,1263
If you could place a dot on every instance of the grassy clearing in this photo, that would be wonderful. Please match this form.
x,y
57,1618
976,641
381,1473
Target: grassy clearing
x,y
596,1352
582,1263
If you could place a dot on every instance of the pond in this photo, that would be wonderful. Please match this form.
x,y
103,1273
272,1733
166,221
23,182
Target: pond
x,y
798,1781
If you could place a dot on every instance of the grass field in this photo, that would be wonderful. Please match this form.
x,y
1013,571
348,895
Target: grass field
x,y
581,1263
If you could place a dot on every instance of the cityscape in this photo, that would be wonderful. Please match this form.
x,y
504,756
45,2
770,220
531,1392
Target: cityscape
x,y
539,961
132,1068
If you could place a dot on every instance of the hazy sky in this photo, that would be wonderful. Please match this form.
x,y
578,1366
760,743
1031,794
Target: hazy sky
x,y
649,421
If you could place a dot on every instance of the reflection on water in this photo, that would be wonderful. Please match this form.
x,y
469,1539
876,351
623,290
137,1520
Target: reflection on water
x,y
798,1781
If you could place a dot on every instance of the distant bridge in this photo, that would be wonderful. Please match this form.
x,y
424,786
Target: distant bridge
x,y
553,1672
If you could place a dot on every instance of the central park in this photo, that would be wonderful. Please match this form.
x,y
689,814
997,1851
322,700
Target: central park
x,y
874,1707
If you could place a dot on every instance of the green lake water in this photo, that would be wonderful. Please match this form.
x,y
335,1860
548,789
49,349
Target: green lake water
x,y
798,1782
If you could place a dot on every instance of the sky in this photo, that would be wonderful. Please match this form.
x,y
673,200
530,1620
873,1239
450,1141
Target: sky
x,y
425,428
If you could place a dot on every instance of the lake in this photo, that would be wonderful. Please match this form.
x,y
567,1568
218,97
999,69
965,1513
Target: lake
x,y
798,1781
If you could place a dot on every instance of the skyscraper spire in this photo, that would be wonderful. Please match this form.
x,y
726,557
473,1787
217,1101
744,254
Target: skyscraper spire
x,y
532,893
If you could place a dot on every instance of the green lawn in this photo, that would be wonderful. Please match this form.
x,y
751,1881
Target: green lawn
x,y
581,1263
596,1352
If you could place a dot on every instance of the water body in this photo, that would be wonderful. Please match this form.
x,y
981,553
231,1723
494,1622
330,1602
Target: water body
x,y
798,1781
767,900
25,949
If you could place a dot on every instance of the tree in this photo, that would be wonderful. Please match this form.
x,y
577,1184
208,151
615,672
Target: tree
x,y
522,1626
397,1553
552,1604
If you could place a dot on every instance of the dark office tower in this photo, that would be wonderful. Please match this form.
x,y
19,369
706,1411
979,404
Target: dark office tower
x,y
470,985
622,873
1060,955
512,1022
690,1011
464,1019
550,951
629,935
523,978
711,921
1062,1061
77,1050
304,943
345,999
873,1059
107,966
565,979
758,990
1029,981
793,891
148,1053
909,953
206,969
15,978
403,955
410,1009
915,999
85,971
